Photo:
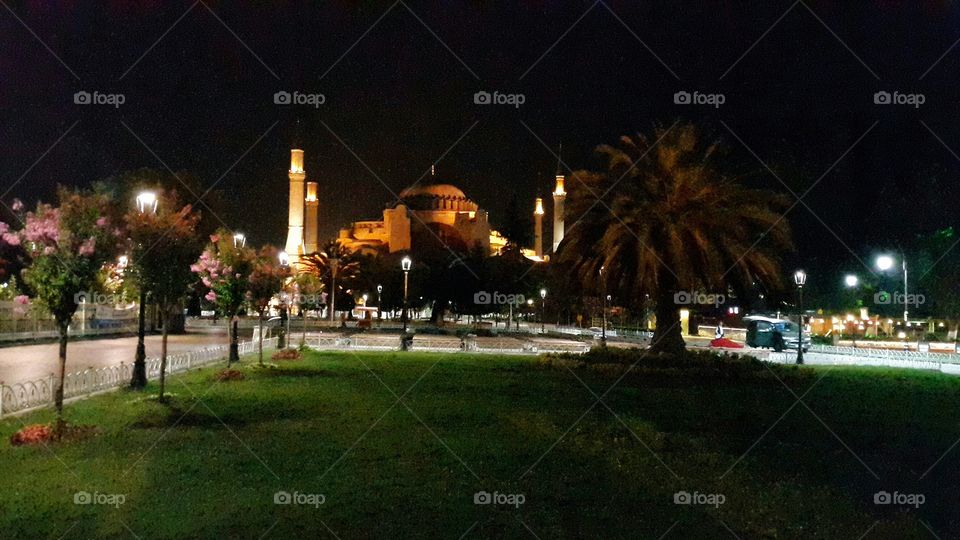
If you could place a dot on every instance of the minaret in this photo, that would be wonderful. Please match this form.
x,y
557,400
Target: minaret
x,y
294,244
538,228
310,230
559,197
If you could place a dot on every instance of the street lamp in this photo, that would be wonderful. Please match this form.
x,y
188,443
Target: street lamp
x,y
405,265
239,240
379,311
146,204
543,310
800,278
603,330
334,264
285,262
851,280
886,262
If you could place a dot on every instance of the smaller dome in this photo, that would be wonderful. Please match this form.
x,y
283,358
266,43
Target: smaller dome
x,y
433,190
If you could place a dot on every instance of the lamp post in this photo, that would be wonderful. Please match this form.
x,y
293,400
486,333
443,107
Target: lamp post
x,y
884,263
285,263
239,241
603,330
405,265
379,303
543,309
334,263
146,204
800,278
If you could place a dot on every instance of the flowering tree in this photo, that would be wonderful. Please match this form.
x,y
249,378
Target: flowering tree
x,y
165,244
67,247
266,281
225,267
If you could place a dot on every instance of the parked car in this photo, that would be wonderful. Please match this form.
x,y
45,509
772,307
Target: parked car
x,y
776,334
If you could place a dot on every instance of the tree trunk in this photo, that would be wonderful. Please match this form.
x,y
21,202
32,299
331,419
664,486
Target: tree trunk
x,y
667,337
139,379
234,347
260,342
58,395
163,352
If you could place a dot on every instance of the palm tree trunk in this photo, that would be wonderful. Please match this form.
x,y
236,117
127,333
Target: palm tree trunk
x,y
58,395
667,337
234,346
163,351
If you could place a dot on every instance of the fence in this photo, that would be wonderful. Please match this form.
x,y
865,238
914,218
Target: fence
x,y
442,344
29,395
891,354
931,362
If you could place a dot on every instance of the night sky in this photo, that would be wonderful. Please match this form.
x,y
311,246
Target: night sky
x,y
399,79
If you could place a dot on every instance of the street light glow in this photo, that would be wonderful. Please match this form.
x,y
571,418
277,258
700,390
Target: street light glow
x,y
800,278
147,202
851,280
239,240
543,293
884,262
406,263
284,258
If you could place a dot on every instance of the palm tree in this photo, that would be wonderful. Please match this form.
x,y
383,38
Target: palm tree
x,y
321,264
662,218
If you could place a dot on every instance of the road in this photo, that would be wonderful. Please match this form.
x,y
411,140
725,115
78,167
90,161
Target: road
x,y
29,362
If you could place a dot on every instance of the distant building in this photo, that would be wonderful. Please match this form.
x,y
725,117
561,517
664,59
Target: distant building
x,y
427,215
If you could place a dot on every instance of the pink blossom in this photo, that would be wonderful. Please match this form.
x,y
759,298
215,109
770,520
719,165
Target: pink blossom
x,y
22,299
195,268
211,296
17,205
87,247
11,238
102,222
214,238
48,250
207,282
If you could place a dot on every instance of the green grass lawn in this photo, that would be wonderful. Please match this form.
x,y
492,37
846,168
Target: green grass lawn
x,y
208,464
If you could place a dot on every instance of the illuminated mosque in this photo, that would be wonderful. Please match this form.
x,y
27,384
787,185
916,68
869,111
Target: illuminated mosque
x,y
425,214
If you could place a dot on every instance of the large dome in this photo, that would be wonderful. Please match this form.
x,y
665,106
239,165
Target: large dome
x,y
433,190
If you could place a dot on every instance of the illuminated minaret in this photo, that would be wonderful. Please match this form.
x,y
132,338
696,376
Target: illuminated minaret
x,y
294,246
538,228
559,197
310,227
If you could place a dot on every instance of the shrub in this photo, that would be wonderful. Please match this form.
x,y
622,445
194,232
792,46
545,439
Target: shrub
x,y
32,434
691,364
229,375
287,354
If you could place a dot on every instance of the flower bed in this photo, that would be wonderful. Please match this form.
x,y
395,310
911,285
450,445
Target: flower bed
x,y
287,354
229,375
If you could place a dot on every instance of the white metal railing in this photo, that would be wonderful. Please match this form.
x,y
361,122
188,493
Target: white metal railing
x,y
25,396
437,344
888,353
